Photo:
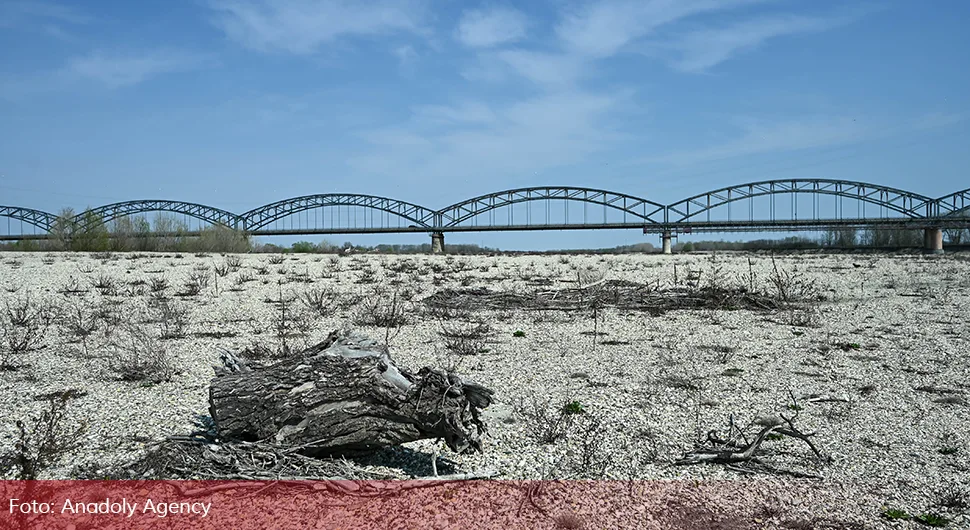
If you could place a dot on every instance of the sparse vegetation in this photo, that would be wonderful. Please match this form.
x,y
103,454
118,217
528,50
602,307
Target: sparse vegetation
x,y
549,423
322,301
138,356
711,344
23,325
43,440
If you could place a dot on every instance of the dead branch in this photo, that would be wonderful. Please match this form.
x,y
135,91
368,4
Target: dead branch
x,y
735,449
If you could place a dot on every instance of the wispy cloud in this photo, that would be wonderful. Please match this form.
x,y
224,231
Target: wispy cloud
x,y
700,50
604,27
14,13
45,18
112,70
115,70
544,68
487,28
468,112
502,142
304,26
756,136
762,136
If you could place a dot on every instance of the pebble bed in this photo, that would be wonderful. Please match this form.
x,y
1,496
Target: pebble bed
x,y
880,370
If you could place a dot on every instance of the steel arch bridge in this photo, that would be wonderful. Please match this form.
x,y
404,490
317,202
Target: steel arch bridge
x,y
811,204
42,220
908,204
640,210
259,218
110,212
954,204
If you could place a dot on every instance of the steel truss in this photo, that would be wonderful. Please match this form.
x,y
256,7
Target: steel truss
x,y
904,202
911,209
641,209
109,212
38,218
264,215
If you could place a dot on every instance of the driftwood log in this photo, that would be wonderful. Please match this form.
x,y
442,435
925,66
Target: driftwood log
x,y
344,396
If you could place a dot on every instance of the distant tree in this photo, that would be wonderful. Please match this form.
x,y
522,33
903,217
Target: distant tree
x,y
169,232
62,229
303,247
219,238
895,237
123,234
839,238
90,233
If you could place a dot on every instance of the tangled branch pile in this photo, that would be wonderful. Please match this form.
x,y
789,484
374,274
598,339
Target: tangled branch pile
x,y
610,293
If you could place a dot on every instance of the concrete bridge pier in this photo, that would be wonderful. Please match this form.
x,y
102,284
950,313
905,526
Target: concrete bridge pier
x,y
437,242
665,237
933,241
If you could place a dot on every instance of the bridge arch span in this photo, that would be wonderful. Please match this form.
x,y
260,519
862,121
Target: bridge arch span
x,y
38,218
645,210
110,212
907,203
955,204
264,215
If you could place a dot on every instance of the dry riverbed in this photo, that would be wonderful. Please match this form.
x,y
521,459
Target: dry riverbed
x,y
877,368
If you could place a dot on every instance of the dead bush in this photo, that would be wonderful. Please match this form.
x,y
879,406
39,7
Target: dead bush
x,y
80,318
322,301
385,310
157,285
288,322
465,338
171,316
587,456
790,286
43,440
197,282
548,422
105,284
138,356
221,269
73,286
23,326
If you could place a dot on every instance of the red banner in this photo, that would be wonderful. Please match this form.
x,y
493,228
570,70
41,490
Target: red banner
x,y
486,504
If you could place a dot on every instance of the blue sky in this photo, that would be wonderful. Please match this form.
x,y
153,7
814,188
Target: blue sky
x,y
236,103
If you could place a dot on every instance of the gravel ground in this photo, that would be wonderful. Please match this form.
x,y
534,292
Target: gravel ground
x,y
879,368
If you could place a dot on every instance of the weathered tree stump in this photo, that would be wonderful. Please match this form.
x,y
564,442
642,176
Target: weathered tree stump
x,y
345,395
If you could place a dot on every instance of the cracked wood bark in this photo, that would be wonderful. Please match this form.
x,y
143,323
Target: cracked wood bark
x,y
345,395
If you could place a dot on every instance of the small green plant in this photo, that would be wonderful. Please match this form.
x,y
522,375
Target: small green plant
x,y
932,519
846,346
895,514
573,407
731,372
518,333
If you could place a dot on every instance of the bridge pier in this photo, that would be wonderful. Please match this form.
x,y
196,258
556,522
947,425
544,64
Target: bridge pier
x,y
933,241
437,242
665,237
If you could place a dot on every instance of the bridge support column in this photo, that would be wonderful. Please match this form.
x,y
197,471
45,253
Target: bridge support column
x,y
933,241
665,238
437,242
